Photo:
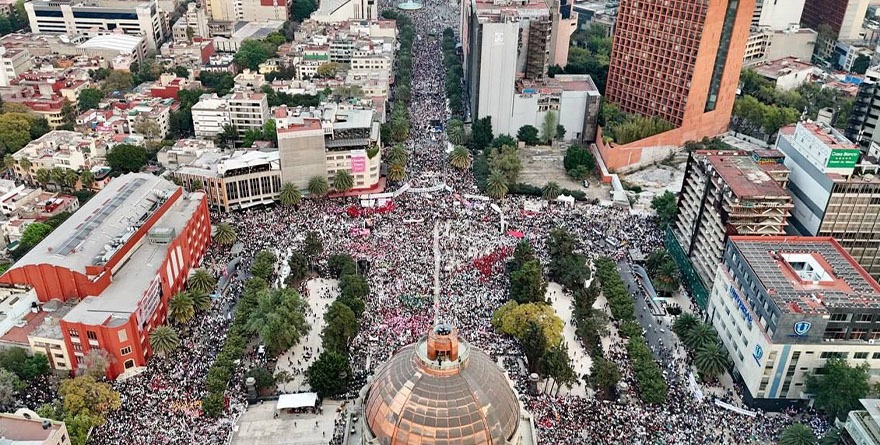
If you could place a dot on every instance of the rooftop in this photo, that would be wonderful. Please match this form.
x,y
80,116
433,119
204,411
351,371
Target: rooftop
x,y
118,301
123,43
20,430
745,178
215,163
105,220
808,275
780,67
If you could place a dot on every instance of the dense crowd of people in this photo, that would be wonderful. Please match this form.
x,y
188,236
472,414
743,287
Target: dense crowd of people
x,y
161,405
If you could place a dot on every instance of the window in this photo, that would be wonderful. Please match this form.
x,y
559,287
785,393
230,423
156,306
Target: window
x,y
830,354
839,317
862,318
123,335
92,335
875,356
129,364
73,332
860,355
125,351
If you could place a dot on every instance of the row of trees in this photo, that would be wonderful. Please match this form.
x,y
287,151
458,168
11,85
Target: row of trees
x,y
623,128
454,80
651,385
331,372
760,120
18,370
703,345
808,98
589,53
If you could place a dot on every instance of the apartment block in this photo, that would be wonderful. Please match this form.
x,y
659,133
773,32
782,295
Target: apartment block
x,y
765,44
64,149
728,193
777,15
135,17
246,10
234,181
247,111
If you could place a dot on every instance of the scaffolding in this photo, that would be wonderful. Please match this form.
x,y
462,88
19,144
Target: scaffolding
x,y
689,276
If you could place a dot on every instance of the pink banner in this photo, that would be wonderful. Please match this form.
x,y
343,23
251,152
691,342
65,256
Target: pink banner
x,y
358,164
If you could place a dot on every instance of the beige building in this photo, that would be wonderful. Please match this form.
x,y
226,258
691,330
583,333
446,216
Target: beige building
x,y
234,181
246,10
15,62
183,152
323,141
248,111
59,148
26,428
765,45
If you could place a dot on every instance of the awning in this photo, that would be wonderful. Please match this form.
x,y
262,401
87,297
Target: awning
x,y
299,400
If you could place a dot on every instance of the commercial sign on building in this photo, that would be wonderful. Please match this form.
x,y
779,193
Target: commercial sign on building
x,y
740,304
358,161
843,158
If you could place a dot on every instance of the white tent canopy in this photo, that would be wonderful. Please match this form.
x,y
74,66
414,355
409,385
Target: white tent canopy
x,y
299,400
565,199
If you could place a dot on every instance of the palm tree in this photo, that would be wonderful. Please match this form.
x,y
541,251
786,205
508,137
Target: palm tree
x,y
343,181
666,278
318,186
684,323
87,179
71,177
551,191
25,164
42,176
397,155
701,335
290,195
460,157
224,234
57,175
711,359
181,307
396,172
163,340
201,300
496,185
455,132
656,259
797,434
8,161
201,281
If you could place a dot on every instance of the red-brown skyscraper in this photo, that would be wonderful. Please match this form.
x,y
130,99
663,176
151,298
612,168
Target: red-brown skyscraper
x,y
679,60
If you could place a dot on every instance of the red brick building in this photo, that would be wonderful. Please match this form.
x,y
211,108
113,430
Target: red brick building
x,y
679,60
121,256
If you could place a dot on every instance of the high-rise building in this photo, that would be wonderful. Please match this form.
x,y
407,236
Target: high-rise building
x,y
833,194
784,305
727,193
862,124
136,17
845,17
246,10
777,15
679,60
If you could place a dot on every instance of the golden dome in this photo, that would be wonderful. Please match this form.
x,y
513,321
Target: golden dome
x,y
440,391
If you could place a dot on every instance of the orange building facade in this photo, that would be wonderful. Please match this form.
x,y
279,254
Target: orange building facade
x,y
679,60
120,276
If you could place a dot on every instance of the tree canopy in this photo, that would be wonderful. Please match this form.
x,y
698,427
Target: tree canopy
x,y
127,158
838,387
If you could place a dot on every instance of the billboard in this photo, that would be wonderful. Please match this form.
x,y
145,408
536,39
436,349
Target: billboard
x,y
843,158
358,161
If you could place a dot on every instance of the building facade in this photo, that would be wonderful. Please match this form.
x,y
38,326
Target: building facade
x,y
679,61
573,99
845,17
782,306
247,111
246,10
728,193
777,15
136,17
765,45
122,256
862,124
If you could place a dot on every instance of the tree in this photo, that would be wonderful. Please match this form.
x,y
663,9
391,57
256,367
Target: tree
x,y
262,376
534,345
181,71
397,155
683,324
270,133
26,367
604,376
396,172
147,127
797,434
15,131
302,9
227,136
343,181
666,279
278,319
213,404
313,246
528,134
353,286
263,265
341,327
666,206
551,191
289,195
118,81
549,126
861,64
89,98
224,234
341,265
201,281
163,340
201,300
839,386
251,136
87,179
505,160
34,233
711,360
560,132
496,185
10,385
455,132
527,284
699,336
571,270
481,133
318,186
86,395
460,158
513,319
181,308
329,375
251,53
556,364
327,70
127,158
299,266
523,253
42,176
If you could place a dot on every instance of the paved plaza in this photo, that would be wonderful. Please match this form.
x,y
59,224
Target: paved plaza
x,y
259,426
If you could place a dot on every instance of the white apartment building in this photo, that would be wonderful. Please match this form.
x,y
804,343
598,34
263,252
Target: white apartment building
x,y
210,115
246,10
334,11
248,110
15,62
194,21
765,44
59,148
777,14
136,17
784,305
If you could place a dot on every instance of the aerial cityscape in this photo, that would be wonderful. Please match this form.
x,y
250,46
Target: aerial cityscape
x,y
440,222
